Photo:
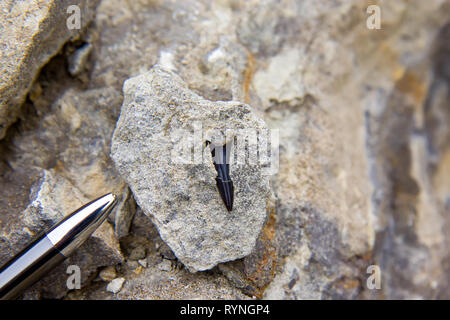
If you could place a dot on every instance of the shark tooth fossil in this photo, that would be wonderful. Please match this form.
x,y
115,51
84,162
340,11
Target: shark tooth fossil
x,y
223,181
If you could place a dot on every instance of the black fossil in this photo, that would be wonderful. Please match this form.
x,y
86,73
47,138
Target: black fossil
x,y
223,180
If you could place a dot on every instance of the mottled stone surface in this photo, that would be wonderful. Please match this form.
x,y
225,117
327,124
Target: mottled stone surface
x,y
364,142
31,33
178,189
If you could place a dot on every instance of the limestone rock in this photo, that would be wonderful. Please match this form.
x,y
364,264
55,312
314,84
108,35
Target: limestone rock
x,y
31,32
158,114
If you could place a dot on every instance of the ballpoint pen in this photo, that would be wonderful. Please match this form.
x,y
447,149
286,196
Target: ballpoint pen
x,y
53,246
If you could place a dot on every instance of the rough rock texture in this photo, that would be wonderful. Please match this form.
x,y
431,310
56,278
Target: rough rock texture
x,y
364,141
160,116
51,197
31,32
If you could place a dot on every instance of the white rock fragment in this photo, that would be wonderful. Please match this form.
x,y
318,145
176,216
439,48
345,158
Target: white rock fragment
x,y
115,285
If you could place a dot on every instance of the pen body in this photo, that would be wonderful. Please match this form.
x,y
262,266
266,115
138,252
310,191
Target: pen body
x,y
28,266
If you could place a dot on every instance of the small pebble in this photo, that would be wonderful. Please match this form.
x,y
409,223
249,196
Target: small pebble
x,y
138,270
115,285
137,253
132,264
77,60
108,273
165,265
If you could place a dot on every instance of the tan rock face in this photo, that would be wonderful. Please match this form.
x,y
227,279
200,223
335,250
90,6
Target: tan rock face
x,y
363,120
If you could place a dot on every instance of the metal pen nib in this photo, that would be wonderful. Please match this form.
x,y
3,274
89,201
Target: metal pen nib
x,y
53,246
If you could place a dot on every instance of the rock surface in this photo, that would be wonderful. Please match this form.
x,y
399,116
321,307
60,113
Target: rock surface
x,y
160,116
31,33
364,142
51,198
115,285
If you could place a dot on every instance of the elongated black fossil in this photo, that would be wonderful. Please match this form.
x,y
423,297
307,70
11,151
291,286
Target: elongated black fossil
x,y
223,180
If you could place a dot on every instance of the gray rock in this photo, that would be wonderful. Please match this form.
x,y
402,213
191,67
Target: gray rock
x,y
132,264
364,143
73,137
25,27
51,198
158,114
167,283
143,262
108,273
165,265
115,285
